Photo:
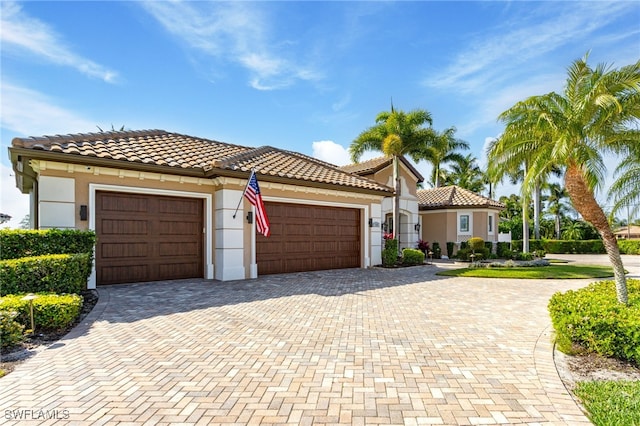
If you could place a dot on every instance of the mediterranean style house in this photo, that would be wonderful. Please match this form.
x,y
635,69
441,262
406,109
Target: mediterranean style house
x,y
169,206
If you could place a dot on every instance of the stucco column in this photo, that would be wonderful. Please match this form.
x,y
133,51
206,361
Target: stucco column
x,y
229,241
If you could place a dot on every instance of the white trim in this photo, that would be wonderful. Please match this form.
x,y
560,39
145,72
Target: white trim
x,y
364,225
469,214
491,220
208,226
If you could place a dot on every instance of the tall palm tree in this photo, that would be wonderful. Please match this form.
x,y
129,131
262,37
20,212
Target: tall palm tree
x,y
466,173
573,130
395,133
443,149
556,205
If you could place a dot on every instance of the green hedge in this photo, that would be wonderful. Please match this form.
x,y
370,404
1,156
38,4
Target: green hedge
x,y
562,246
26,243
412,257
591,319
10,330
56,273
629,246
50,311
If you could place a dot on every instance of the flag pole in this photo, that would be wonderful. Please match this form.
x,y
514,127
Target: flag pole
x,y
245,190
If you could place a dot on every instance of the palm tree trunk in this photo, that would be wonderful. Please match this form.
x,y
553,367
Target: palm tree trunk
x,y
525,224
585,203
536,211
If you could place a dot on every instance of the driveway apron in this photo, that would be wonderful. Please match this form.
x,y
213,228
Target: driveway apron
x,y
355,346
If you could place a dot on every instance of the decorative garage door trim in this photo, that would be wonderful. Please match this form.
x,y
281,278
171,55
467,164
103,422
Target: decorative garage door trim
x,y
208,217
311,241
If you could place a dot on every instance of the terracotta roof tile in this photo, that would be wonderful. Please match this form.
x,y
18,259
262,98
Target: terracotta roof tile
x,y
453,196
375,164
172,150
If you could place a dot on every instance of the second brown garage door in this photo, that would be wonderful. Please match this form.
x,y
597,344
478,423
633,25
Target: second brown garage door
x,y
147,238
309,238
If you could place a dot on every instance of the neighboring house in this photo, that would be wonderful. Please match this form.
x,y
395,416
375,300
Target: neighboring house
x,y
454,214
381,170
628,232
163,205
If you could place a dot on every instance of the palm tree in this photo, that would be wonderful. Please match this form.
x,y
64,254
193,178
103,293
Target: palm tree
x,y
442,149
466,173
625,191
574,130
556,204
395,133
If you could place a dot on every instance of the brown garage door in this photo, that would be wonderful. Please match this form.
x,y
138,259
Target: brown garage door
x,y
148,238
309,238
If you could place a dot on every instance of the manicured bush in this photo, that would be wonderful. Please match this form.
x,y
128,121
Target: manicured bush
x,y
412,257
503,250
465,254
437,251
10,330
489,246
591,319
50,311
563,246
476,243
58,273
26,243
390,252
629,246
450,246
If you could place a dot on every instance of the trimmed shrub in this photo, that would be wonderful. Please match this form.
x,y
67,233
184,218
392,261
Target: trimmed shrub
x,y
437,251
50,311
10,330
17,243
476,243
629,246
489,246
450,247
390,252
57,273
563,246
412,257
503,250
591,319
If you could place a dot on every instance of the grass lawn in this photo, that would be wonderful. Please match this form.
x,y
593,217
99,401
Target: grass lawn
x,y
611,403
554,271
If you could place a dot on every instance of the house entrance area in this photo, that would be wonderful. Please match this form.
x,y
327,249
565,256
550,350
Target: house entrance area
x,y
309,238
147,237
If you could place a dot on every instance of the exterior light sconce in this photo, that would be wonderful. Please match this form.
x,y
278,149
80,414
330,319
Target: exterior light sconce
x,y
370,223
250,217
83,212
417,227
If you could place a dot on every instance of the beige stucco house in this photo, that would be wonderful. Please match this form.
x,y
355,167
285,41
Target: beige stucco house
x,y
169,206
454,214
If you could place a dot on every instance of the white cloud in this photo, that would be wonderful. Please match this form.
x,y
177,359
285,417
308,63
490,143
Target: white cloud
x,y
488,62
12,201
30,113
233,31
331,152
26,34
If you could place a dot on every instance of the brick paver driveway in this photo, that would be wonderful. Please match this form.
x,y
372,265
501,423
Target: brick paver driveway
x,y
352,346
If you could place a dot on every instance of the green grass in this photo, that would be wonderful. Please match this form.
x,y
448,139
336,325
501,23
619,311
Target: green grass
x,y
554,271
611,403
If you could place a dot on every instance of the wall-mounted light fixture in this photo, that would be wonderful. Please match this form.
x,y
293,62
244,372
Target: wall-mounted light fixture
x,y
250,217
370,223
83,212
417,227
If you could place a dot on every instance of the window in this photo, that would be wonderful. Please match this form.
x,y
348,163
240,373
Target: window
x,y
490,222
464,223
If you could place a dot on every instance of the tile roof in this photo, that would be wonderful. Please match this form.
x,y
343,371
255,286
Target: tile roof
x,y
453,196
191,155
376,164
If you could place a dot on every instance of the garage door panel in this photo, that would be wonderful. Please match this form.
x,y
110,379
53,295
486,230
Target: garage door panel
x,y
128,250
307,238
164,241
124,226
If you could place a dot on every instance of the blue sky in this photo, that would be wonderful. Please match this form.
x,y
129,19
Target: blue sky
x,y
303,76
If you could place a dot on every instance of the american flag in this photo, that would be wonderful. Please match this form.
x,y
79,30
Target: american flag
x,y
252,192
